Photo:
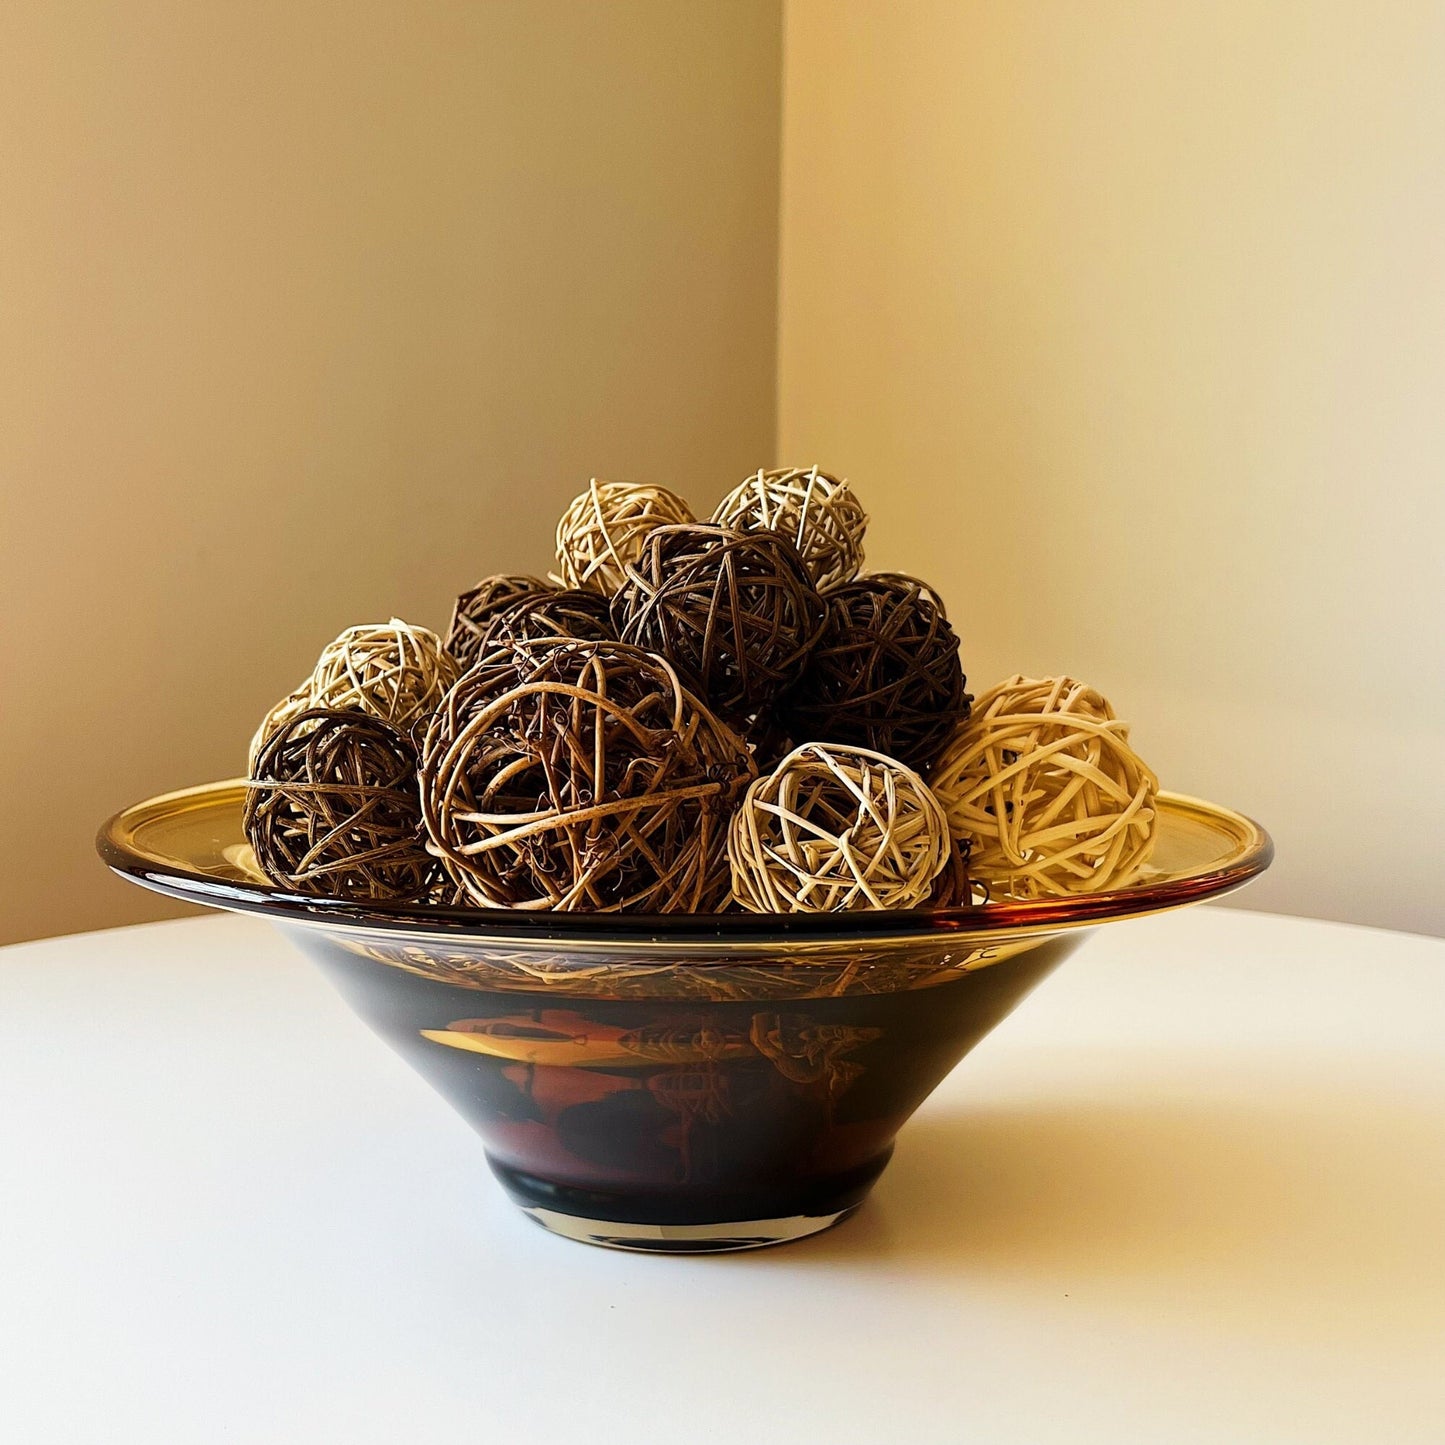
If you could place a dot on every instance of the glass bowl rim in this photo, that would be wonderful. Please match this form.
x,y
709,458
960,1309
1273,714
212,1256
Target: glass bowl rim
x,y
117,847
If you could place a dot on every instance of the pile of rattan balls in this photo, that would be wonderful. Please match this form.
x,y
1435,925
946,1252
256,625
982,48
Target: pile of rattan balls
x,y
692,716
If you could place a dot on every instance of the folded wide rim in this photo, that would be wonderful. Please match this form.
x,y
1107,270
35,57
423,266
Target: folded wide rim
x,y
185,844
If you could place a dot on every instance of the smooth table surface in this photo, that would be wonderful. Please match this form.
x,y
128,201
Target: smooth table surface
x,y
1194,1190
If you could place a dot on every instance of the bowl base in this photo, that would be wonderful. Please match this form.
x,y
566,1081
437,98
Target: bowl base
x,y
729,1236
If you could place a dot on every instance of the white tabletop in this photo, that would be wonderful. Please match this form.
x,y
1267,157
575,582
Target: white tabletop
x,y
1192,1191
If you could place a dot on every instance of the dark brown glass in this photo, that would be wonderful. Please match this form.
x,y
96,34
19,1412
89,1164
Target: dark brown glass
x,y
679,1083
687,1111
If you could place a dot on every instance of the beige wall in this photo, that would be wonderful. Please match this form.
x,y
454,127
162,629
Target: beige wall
x,y
313,313
1129,322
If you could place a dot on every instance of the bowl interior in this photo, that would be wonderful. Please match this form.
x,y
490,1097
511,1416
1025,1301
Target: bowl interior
x,y
191,845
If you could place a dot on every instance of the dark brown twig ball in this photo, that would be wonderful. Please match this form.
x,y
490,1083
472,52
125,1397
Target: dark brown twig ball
x,y
332,809
903,579
885,674
474,611
953,888
578,613
581,776
734,612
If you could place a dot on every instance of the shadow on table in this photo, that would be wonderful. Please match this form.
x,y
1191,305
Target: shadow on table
x,y
1320,1200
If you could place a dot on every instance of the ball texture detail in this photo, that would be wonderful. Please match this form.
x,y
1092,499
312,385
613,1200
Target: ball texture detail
x,y
393,671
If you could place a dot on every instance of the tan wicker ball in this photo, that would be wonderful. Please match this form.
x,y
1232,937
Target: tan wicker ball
x,y
581,776
816,512
1042,781
603,531
393,671
281,714
835,828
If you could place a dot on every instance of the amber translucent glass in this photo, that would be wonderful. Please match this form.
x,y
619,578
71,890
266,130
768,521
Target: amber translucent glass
x,y
677,1083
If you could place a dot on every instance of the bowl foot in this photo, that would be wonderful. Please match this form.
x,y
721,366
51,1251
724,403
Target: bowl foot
x,y
714,1219
729,1236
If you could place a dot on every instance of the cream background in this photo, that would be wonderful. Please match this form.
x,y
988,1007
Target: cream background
x,y
1129,322
311,313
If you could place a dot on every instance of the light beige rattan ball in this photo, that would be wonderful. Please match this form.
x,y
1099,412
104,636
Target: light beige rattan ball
x,y
1043,783
817,513
392,670
281,714
835,829
603,531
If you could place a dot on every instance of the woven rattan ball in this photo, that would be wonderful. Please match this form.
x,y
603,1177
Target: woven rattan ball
x,y
395,671
1043,782
603,531
332,808
581,776
475,609
576,612
819,514
735,612
885,673
833,829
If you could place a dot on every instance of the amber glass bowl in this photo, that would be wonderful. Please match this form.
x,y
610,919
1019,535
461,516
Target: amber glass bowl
x,y
683,1083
